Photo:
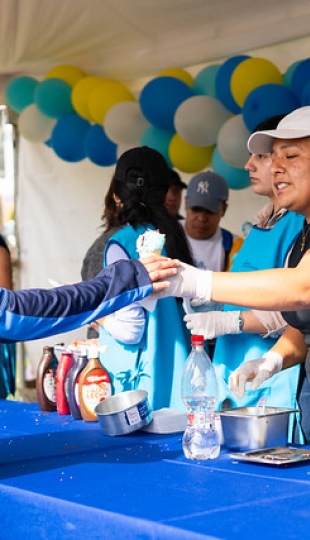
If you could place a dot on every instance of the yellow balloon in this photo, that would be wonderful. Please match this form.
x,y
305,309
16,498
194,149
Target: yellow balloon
x,y
188,158
178,73
104,96
250,74
69,74
81,93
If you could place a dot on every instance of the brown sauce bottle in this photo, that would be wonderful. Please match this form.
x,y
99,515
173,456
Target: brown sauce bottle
x,y
46,380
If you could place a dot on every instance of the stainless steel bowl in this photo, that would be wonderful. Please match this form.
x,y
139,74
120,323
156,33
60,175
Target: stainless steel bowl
x,y
245,428
124,413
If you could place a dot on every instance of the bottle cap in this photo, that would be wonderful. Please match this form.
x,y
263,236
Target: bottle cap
x,y
197,340
82,351
93,352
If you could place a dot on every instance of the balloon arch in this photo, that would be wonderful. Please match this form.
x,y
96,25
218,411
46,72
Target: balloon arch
x,y
195,122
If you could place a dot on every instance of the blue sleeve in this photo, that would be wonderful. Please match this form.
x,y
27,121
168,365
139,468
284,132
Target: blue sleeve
x,y
36,313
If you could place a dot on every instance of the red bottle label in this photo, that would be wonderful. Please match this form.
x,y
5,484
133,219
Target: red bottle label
x,y
61,373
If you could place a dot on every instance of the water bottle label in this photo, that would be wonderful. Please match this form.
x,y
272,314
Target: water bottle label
x,y
190,418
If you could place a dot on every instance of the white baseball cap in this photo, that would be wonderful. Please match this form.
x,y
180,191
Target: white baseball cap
x,y
295,125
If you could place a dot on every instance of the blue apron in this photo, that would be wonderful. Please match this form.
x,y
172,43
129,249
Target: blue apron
x,y
262,249
156,363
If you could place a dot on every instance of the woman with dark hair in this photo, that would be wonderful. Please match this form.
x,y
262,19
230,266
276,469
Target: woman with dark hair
x,y
145,350
243,333
93,260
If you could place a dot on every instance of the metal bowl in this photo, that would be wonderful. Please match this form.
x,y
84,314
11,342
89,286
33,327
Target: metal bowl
x,y
124,413
245,428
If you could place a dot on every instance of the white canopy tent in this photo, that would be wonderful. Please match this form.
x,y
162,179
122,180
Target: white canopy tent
x,y
59,204
129,39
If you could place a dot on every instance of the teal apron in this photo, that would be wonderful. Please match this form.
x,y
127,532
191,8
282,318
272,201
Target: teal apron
x,y
262,249
156,363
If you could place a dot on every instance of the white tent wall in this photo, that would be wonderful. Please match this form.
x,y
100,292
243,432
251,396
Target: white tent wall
x,y
59,205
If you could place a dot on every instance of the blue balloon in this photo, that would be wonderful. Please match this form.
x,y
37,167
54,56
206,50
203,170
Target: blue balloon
x,y
235,178
204,83
160,99
266,101
300,77
53,98
222,83
159,140
99,148
68,137
20,92
305,96
287,76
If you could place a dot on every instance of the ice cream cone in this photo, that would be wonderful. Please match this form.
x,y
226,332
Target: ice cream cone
x,y
150,243
145,254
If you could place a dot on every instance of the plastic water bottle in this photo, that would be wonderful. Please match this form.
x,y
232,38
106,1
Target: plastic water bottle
x,y
199,393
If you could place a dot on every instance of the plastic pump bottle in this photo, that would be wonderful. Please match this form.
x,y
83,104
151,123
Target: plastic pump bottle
x,y
63,367
199,392
72,383
94,386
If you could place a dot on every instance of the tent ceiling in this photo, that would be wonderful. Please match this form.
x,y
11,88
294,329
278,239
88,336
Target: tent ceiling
x,y
130,39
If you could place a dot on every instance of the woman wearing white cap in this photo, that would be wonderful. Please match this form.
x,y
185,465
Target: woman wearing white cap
x,y
246,334
287,289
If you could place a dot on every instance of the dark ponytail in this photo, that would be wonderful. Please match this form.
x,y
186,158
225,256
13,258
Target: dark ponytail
x,y
143,206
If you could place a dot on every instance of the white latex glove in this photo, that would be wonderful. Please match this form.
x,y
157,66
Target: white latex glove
x,y
188,282
213,323
255,371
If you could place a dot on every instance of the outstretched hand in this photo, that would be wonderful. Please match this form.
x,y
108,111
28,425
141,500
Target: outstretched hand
x,y
160,268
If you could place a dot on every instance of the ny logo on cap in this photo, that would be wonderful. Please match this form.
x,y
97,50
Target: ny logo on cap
x,y
203,187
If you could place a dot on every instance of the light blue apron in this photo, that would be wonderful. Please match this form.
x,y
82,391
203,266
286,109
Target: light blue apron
x,y
262,249
157,362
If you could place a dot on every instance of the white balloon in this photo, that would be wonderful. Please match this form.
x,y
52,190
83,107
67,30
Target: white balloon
x,y
232,142
125,124
198,120
35,126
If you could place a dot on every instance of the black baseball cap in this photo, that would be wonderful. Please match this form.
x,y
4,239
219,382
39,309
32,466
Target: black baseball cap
x,y
176,180
142,168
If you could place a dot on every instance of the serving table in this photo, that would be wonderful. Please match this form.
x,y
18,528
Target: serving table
x,y
64,479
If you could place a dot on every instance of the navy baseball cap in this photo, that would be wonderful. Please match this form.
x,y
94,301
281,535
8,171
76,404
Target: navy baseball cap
x,y
207,190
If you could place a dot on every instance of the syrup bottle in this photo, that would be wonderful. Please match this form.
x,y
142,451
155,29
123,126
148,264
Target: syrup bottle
x,y
63,367
46,380
72,384
94,386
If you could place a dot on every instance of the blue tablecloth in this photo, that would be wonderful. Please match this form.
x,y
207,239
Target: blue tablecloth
x,y
63,479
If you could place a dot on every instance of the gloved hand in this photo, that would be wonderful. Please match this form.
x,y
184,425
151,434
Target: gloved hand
x,y
188,282
213,323
256,371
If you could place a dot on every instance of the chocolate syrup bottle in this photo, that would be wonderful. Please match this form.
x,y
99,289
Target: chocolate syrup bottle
x,y
46,380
